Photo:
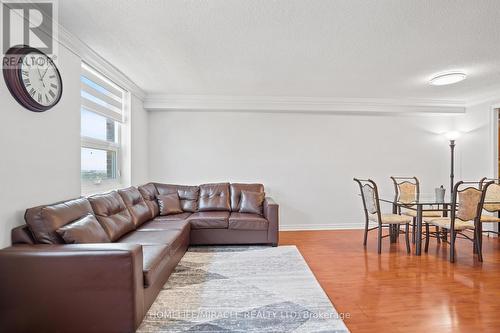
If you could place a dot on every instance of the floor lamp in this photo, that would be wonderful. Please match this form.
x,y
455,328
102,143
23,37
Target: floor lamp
x,y
452,136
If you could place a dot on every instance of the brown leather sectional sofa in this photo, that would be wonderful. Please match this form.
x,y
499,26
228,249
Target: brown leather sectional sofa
x,y
47,285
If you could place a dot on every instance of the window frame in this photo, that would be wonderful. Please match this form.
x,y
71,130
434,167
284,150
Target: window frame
x,y
92,187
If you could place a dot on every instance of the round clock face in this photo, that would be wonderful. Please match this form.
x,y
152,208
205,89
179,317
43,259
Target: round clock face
x,y
40,79
32,78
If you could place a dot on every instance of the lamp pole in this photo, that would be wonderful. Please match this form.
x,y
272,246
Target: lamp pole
x,y
452,175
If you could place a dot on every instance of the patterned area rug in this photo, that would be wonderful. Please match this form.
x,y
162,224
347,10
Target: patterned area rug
x,y
242,289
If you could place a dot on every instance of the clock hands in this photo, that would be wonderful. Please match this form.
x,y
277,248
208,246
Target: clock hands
x,y
40,75
45,72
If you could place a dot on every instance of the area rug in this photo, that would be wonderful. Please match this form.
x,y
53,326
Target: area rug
x,y
242,289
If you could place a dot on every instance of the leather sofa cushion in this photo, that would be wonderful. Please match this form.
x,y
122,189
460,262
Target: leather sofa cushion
x,y
159,259
169,204
45,220
188,195
154,258
149,193
243,221
112,214
82,231
252,202
236,193
209,220
150,237
136,205
175,217
214,197
158,224
22,235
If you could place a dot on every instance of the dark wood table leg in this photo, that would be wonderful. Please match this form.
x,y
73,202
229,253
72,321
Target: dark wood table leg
x,y
418,241
392,233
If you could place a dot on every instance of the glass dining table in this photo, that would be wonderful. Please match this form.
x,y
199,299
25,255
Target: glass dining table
x,y
425,203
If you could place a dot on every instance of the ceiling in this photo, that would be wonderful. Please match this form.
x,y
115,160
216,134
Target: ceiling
x,y
299,48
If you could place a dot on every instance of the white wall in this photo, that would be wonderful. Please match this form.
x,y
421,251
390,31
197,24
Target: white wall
x,y
40,160
307,161
478,157
139,142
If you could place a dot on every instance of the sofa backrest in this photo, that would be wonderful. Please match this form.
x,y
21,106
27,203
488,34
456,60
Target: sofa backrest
x,y
149,193
43,221
236,189
188,195
214,197
136,205
112,214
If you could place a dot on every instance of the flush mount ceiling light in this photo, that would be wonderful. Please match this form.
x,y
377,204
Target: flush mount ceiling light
x,y
447,78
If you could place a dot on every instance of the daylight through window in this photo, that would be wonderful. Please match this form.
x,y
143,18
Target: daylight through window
x,y
102,116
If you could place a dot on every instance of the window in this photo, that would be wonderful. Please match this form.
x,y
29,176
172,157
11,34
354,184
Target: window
x,y
102,119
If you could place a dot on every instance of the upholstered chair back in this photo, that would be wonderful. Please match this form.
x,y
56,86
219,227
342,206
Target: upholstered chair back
x,y
369,194
492,195
468,200
407,189
369,197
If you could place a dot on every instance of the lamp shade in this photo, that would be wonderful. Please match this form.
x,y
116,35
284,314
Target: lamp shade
x,y
452,135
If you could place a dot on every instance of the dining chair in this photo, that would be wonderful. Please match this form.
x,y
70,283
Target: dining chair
x,y
407,191
491,202
491,206
371,205
466,208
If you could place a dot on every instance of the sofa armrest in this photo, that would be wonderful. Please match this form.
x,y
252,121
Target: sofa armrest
x,y
71,288
271,213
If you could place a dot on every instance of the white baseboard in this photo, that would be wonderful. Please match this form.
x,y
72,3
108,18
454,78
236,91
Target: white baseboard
x,y
336,226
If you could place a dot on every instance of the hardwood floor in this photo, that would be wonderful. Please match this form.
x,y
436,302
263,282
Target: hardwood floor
x,y
396,292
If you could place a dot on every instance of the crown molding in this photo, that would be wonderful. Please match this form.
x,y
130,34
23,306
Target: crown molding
x,y
491,97
92,58
300,104
165,102
76,46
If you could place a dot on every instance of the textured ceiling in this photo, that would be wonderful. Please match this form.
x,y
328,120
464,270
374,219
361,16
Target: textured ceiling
x,y
308,48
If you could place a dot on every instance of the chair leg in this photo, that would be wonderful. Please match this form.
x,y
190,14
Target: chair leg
x,y
477,248
366,233
452,245
480,238
474,246
438,235
414,234
478,242
379,239
427,236
407,238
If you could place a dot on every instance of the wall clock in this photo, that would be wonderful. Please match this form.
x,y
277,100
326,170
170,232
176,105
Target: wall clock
x,y
32,78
